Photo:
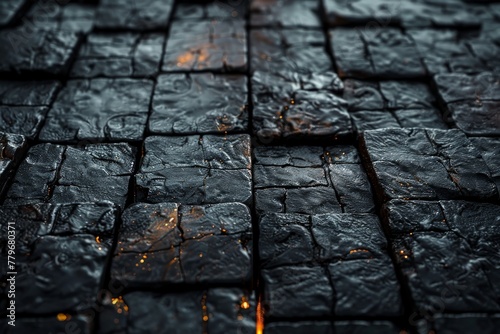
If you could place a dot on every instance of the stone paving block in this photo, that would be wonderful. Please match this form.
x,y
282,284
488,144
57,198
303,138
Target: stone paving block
x,y
449,324
99,109
187,244
338,327
119,55
210,9
57,244
443,281
285,14
24,52
10,10
201,45
217,310
426,164
346,12
199,103
24,105
488,148
12,150
372,120
472,101
195,170
310,180
350,53
65,174
132,15
55,324
75,17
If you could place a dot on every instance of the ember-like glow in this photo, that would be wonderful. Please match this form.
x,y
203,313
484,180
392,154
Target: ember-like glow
x,y
62,317
259,317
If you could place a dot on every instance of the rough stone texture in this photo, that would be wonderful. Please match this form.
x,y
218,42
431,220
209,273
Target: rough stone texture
x,y
167,243
78,323
338,327
217,310
472,101
66,174
24,105
99,109
195,170
292,248
310,180
426,164
488,148
12,149
413,118
25,52
449,324
210,9
200,45
119,55
199,103
57,245
133,15
10,10
447,253
285,13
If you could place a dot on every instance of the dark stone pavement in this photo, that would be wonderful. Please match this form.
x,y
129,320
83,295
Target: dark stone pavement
x,y
251,166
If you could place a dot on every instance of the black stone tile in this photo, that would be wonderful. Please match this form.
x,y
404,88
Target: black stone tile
x,y
363,95
119,55
217,310
199,103
195,170
457,87
420,118
350,53
440,280
449,324
24,105
10,10
66,174
426,164
200,45
56,324
476,118
23,51
488,148
12,150
99,109
61,254
164,243
338,327
285,14
310,180
346,12
210,9
61,15
123,14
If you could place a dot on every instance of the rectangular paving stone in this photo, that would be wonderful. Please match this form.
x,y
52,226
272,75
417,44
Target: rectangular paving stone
x,y
448,324
119,55
24,52
472,101
57,244
211,9
350,53
372,120
24,105
345,12
167,244
488,148
66,174
338,327
12,150
310,180
195,170
126,15
447,253
75,17
201,45
216,310
353,246
285,14
99,109
199,103
426,164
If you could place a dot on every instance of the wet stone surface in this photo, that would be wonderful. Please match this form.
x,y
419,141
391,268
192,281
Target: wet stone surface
x,y
99,109
217,310
472,101
426,164
24,105
285,14
132,15
201,45
12,150
195,170
211,9
325,265
166,243
65,174
61,254
447,248
310,180
47,52
199,103
119,55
